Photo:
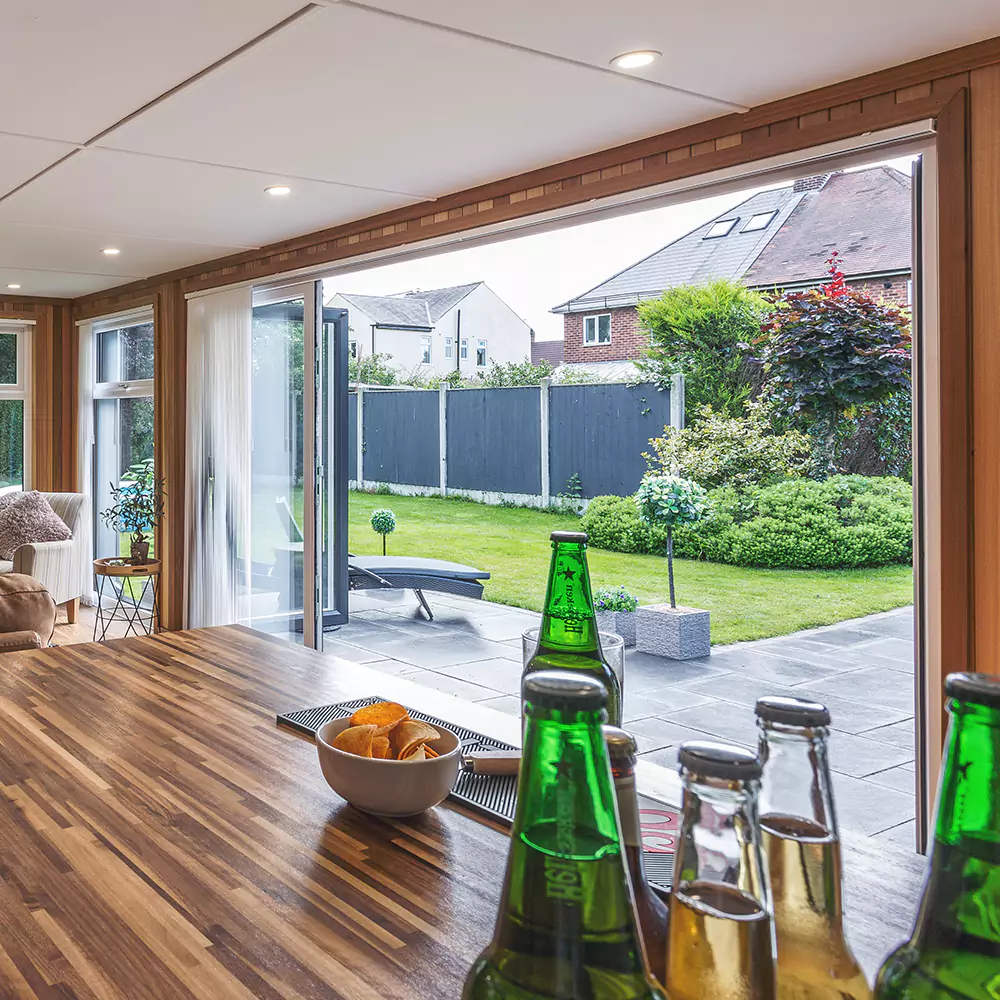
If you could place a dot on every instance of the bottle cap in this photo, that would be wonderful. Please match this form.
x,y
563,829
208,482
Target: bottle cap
x,y
719,760
566,690
620,744
792,711
979,688
579,537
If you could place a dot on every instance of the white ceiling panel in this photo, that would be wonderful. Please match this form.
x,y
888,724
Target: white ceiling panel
x,y
72,68
58,284
748,53
21,158
355,96
40,248
104,191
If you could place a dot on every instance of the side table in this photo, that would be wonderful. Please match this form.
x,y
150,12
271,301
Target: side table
x,y
129,587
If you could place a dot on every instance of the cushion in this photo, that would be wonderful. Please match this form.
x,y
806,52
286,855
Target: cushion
x,y
25,605
29,518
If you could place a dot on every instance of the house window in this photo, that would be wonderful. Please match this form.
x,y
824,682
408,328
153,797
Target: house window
x,y
597,329
759,221
14,402
464,351
352,348
425,350
449,347
123,418
480,353
721,228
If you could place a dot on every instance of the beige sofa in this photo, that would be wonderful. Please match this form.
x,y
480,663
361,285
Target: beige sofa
x,y
59,566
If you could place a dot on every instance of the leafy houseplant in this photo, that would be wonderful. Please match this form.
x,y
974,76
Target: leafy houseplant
x,y
671,502
384,522
615,612
138,508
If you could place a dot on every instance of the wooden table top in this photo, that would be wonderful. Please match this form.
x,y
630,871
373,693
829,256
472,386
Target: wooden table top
x,y
161,837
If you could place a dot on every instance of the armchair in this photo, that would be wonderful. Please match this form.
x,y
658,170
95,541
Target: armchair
x,y
59,566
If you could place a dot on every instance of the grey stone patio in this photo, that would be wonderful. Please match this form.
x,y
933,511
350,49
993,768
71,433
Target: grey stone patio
x,y
861,669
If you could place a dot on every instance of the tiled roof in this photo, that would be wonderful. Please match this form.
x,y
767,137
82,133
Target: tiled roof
x,y
420,309
865,215
547,350
692,258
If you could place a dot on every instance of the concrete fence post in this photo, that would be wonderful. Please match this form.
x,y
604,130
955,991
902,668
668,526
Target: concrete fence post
x,y
443,436
544,388
361,438
677,401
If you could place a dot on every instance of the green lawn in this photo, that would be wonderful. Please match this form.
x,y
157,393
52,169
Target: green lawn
x,y
513,545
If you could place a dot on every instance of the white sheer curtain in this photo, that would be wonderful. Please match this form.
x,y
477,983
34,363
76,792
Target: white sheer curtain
x,y
218,457
85,450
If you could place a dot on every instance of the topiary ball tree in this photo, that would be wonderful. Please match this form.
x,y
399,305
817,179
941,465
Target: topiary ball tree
x,y
671,502
384,522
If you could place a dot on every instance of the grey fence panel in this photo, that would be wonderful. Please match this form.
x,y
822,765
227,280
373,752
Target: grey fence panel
x,y
600,432
494,440
352,435
401,437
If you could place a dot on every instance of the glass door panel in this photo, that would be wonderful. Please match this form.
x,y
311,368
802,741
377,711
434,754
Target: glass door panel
x,y
332,481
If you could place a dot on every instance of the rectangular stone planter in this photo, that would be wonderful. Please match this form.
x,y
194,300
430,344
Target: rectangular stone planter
x,y
620,622
677,633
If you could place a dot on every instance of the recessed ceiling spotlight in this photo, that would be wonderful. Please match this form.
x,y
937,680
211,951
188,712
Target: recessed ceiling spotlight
x,y
110,251
635,60
278,190
13,286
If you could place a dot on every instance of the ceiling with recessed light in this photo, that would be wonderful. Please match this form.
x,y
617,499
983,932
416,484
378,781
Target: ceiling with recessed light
x,y
157,129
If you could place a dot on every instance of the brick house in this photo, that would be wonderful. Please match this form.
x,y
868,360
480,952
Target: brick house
x,y
777,239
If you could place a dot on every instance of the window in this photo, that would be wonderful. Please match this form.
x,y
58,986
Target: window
x,y
14,423
123,418
481,354
759,221
464,352
352,348
597,329
449,347
425,350
721,228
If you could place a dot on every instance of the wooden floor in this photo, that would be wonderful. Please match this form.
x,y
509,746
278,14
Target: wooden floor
x,y
82,630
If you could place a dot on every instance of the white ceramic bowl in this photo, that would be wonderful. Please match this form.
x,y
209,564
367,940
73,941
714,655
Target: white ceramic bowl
x,y
388,787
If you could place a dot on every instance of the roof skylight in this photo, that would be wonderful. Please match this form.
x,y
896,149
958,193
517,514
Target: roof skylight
x,y
759,221
721,228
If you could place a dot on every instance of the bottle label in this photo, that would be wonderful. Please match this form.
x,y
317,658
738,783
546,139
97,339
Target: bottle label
x,y
628,810
562,880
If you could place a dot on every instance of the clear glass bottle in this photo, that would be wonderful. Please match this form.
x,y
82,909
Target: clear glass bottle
x,y
721,939
802,847
567,927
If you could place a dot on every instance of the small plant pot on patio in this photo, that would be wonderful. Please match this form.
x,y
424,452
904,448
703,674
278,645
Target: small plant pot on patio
x,y
676,633
620,622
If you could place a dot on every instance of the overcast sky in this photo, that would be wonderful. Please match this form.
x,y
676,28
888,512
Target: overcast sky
x,y
534,273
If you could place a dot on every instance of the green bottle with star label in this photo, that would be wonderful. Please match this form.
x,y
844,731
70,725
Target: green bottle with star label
x,y
568,638
954,950
567,927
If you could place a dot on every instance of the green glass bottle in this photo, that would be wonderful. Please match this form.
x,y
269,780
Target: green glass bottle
x,y
568,638
567,928
954,950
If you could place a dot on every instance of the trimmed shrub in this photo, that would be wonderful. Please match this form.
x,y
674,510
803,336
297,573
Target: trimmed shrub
x,y
843,522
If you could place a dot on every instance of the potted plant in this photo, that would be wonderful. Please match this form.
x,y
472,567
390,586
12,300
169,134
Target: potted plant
x,y
138,508
384,522
668,630
615,612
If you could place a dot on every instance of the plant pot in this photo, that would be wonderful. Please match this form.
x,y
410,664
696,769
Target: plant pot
x,y
620,622
676,633
140,553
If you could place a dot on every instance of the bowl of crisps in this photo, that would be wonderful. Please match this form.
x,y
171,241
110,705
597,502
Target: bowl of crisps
x,y
385,763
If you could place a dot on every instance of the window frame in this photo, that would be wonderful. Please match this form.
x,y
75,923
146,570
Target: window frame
x,y
596,342
769,216
449,348
733,223
426,349
483,345
21,389
463,350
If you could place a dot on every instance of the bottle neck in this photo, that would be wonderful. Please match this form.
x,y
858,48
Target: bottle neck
x,y
568,622
720,837
796,782
623,774
969,797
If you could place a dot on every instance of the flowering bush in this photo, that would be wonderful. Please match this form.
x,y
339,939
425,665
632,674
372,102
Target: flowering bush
x,y
606,599
384,522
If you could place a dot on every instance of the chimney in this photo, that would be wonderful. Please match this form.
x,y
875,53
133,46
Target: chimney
x,y
810,183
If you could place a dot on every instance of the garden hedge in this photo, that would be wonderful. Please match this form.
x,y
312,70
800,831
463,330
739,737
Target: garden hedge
x,y
840,522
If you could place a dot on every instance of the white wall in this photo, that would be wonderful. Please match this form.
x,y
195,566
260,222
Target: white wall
x,y
484,316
